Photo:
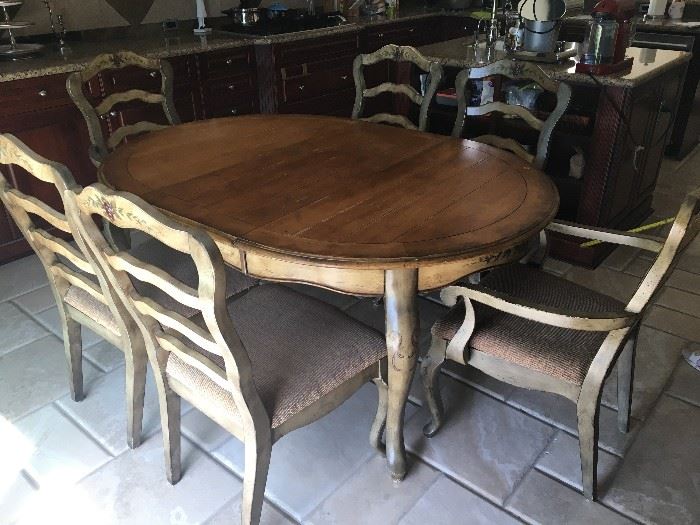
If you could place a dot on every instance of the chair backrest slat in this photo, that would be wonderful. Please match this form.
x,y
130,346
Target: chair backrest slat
x,y
515,70
163,329
51,250
396,54
112,100
100,146
684,229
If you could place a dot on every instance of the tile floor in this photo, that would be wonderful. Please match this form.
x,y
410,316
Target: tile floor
x,y
505,456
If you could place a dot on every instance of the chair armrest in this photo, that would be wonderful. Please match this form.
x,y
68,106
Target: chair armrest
x,y
584,321
636,240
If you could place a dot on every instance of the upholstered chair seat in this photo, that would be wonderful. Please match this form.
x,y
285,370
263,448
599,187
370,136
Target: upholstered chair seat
x,y
558,352
301,349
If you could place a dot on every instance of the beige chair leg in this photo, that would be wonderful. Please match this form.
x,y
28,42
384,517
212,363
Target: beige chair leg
x,y
170,422
135,393
73,345
257,464
377,430
625,381
430,372
588,441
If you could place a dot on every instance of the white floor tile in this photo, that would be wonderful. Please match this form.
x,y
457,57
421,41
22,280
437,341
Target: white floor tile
x,y
51,321
540,499
62,454
36,301
447,503
104,356
309,464
15,495
231,513
21,276
484,444
562,460
372,490
36,374
133,488
560,412
102,413
17,328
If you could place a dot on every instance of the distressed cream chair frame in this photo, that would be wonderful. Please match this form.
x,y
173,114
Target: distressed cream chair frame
x,y
516,70
100,146
52,252
618,346
397,54
253,426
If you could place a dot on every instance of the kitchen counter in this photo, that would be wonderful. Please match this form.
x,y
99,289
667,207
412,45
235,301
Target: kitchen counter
x,y
648,64
667,25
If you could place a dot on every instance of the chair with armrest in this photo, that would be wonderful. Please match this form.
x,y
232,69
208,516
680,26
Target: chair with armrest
x,y
265,362
534,330
396,54
515,70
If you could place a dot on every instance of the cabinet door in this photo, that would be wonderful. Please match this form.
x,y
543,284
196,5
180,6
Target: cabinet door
x,y
59,134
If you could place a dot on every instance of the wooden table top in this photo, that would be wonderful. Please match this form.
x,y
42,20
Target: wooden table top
x,y
337,189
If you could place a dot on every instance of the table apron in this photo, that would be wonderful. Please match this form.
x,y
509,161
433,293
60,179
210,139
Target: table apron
x,y
354,279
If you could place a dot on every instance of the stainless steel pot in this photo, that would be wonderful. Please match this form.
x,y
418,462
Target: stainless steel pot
x,y
540,36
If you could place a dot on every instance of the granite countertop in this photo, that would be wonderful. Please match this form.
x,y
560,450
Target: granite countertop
x,y
154,42
648,63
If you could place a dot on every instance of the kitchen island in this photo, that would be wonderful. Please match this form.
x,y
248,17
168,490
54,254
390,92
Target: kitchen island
x,y
621,122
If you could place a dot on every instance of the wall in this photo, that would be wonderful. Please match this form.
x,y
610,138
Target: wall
x,y
93,14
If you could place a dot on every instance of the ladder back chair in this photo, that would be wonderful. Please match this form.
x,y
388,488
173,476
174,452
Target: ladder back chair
x,y
397,54
515,70
101,146
72,276
534,330
262,364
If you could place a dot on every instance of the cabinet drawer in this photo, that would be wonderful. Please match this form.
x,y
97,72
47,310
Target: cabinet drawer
x,y
120,80
227,62
216,91
336,104
33,94
317,49
240,106
316,84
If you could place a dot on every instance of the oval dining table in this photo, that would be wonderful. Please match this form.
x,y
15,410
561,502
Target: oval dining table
x,y
347,205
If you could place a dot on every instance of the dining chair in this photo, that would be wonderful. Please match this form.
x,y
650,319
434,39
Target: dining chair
x,y
396,54
515,70
94,115
74,277
535,330
262,364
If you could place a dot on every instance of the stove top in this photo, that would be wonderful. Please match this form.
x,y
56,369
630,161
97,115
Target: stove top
x,y
278,26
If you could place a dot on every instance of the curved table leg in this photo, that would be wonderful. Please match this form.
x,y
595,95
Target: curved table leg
x,y
400,294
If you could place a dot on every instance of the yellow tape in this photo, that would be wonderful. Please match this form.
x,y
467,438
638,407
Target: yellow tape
x,y
638,229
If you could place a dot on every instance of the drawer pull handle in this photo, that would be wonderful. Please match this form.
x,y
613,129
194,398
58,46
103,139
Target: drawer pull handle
x,y
412,30
43,93
153,74
380,35
229,61
231,87
301,87
344,77
234,111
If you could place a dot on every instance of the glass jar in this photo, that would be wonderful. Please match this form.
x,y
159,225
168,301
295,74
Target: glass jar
x,y
599,44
